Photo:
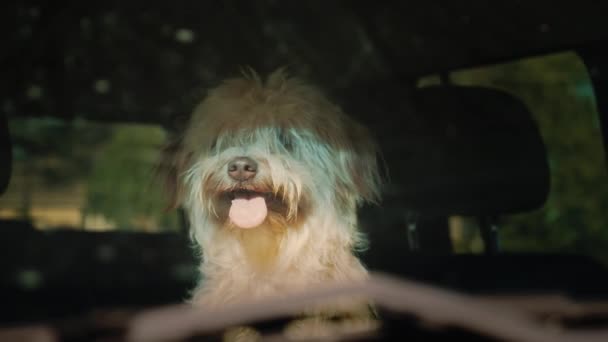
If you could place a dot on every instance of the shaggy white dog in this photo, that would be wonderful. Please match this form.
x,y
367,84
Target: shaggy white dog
x,y
271,174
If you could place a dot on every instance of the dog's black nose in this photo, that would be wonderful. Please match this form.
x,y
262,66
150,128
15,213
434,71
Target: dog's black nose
x,y
242,168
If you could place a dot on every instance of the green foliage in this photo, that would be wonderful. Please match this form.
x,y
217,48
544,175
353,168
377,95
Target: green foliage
x,y
557,90
121,185
114,163
57,152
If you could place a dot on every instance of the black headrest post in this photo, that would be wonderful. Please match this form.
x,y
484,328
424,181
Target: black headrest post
x,y
413,238
445,79
488,227
6,156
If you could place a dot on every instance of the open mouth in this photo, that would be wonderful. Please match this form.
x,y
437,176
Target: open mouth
x,y
247,194
248,208
240,204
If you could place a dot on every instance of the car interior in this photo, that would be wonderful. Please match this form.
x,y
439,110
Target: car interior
x,y
491,121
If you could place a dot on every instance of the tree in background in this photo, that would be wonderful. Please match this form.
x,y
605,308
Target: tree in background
x,y
113,163
121,185
55,153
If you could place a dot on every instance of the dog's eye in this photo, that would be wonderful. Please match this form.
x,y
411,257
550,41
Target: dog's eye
x,y
286,141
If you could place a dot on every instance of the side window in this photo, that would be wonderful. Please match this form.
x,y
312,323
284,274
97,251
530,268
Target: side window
x,y
85,175
558,92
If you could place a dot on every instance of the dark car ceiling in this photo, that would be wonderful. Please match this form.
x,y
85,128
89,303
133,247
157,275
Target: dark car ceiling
x,y
56,53
424,37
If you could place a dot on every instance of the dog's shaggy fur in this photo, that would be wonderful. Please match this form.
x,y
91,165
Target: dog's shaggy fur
x,y
315,167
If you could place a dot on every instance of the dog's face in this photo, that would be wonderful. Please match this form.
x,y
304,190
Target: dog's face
x,y
278,147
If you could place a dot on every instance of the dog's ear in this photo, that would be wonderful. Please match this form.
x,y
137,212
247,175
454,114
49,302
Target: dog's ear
x,y
357,155
364,163
172,163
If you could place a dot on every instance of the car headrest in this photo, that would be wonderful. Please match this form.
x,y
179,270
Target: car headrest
x,y
470,151
6,158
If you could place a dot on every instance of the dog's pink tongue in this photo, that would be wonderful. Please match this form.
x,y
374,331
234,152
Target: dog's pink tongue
x,y
248,213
